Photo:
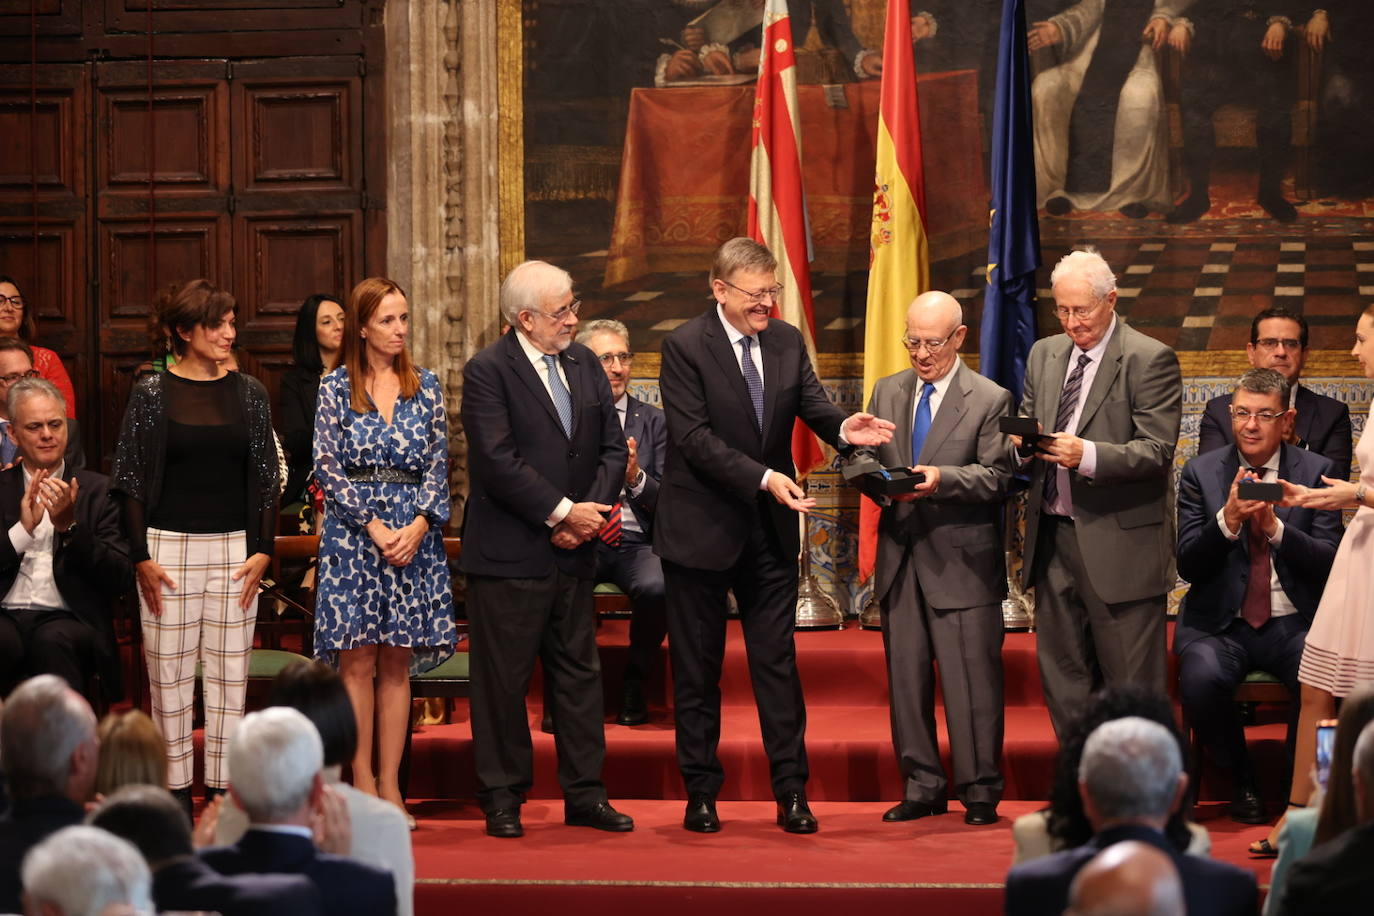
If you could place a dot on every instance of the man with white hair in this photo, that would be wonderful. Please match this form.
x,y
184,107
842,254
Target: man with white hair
x,y
1108,400
546,462
1131,779
1335,877
1127,879
49,747
84,871
276,764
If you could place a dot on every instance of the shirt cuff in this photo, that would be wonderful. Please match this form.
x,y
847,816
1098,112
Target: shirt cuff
x,y
1087,465
763,481
1221,523
20,539
1277,539
844,440
639,484
559,512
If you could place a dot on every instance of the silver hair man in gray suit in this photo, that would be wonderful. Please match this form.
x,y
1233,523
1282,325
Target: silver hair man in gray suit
x,y
1098,541
941,572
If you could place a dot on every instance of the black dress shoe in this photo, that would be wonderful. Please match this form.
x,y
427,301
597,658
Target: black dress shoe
x,y
700,816
1275,205
980,814
504,822
633,709
183,797
794,815
600,816
1191,210
912,810
1247,807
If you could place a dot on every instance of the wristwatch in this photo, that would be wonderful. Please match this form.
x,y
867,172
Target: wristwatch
x,y
1359,494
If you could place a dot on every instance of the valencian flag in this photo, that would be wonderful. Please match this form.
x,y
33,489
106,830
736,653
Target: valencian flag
x,y
899,264
1008,322
777,203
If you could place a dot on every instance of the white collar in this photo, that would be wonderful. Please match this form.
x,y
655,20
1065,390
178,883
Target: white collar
x,y
731,331
1095,354
623,405
532,353
59,472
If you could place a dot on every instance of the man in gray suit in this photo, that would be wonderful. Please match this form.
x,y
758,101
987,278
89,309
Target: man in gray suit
x,y
941,572
1098,544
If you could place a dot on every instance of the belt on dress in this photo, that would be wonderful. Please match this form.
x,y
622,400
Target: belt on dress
x,y
382,475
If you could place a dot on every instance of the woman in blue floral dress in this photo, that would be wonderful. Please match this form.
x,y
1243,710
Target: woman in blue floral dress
x,y
383,608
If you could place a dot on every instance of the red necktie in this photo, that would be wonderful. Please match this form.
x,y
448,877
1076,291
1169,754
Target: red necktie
x,y
1256,607
610,532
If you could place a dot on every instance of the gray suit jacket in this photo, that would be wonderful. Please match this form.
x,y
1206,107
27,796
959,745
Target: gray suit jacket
x,y
954,535
1132,414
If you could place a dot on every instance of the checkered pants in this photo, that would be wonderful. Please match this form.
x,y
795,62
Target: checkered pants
x,y
201,621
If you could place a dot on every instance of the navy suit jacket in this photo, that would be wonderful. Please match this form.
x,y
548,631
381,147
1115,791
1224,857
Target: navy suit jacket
x,y
650,431
345,886
23,827
521,463
1040,887
1322,423
1219,568
189,885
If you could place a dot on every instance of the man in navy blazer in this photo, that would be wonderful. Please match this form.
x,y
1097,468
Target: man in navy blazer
x,y
1256,573
1278,341
624,550
546,462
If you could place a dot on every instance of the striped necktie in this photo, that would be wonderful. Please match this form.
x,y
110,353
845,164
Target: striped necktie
x,y
562,398
1068,403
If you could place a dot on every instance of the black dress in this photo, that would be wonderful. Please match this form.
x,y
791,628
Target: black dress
x,y
300,389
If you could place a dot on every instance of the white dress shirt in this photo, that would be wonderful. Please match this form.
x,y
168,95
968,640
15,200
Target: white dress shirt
x,y
34,586
1279,604
541,369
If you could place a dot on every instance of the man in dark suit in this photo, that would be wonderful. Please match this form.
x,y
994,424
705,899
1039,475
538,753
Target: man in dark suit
x,y
64,560
1278,341
276,764
1257,573
1129,877
1335,877
1130,778
941,571
49,747
151,819
624,547
547,461
734,383
1098,538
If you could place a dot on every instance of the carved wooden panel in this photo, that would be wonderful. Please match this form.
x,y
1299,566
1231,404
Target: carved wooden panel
x,y
185,147
42,132
184,249
240,15
300,135
45,17
51,275
287,257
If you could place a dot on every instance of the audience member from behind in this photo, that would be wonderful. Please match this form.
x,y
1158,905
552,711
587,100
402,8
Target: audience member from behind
x,y
132,753
64,560
17,320
1127,879
151,819
1131,779
16,364
84,871
49,749
380,835
1064,824
316,350
276,762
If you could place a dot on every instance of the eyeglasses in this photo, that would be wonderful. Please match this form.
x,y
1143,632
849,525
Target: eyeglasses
x,y
773,294
14,302
1079,312
563,313
623,358
13,377
1273,343
932,346
1264,416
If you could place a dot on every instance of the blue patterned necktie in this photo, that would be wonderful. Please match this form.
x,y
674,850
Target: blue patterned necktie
x,y
752,381
1068,403
921,428
562,398
8,450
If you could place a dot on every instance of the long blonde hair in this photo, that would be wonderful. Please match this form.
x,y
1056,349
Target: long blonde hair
x,y
362,305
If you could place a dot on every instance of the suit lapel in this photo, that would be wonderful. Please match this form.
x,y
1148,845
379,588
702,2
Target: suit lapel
x,y
634,420
772,375
1285,468
575,382
1056,366
903,410
952,407
718,343
1105,377
525,371
1305,405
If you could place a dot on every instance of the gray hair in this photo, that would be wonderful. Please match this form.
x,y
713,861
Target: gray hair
x,y
1088,265
1130,769
43,724
529,285
741,254
603,326
82,870
1264,381
274,757
32,388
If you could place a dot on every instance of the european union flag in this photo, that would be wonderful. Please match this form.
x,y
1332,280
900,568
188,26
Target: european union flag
x,y
1008,324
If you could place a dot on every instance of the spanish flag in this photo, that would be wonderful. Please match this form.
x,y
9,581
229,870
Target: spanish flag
x,y
899,263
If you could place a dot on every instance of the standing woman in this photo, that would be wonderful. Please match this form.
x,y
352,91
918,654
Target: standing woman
x,y
16,320
196,466
316,350
383,608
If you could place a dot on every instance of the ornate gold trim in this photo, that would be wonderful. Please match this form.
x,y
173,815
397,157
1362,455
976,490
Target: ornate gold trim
x,y
510,100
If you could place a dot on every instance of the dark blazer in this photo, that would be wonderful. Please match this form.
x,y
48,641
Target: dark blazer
x,y
23,827
521,463
650,431
345,886
300,389
1218,568
716,457
91,565
1322,423
189,885
1041,886
1335,877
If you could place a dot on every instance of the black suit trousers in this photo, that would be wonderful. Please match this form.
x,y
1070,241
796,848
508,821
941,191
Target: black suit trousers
x,y
44,641
764,580
636,570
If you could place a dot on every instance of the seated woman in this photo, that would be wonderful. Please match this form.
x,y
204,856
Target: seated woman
x,y
315,349
16,320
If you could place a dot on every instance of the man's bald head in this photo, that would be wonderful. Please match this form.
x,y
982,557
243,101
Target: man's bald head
x,y
934,318
1127,879
939,305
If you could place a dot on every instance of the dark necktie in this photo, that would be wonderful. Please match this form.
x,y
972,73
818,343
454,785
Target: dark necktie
x,y
1068,403
562,398
610,532
921,427
1257,605
752,381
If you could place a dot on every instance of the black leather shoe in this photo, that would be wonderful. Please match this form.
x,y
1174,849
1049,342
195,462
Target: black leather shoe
x,y
633,709
504,822
1191,210
700,816
183,797
1275,205
1247,807
600,816
980,814
794,815
912,810
546,723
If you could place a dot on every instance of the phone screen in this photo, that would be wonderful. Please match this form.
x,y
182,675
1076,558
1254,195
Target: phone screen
x,y
1326,743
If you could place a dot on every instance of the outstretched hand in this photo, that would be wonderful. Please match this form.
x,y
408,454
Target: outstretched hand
x,y
866,429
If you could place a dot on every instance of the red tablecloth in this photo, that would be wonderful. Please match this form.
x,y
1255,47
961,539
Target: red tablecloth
x,y
684,178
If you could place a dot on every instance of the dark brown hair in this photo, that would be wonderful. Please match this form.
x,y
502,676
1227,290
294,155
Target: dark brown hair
x,y
182,308
363,302
27,327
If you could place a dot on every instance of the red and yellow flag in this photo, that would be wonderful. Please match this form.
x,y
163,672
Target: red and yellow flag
x,y
899,263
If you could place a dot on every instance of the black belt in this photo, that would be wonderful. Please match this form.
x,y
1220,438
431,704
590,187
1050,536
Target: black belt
x,y
382,475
